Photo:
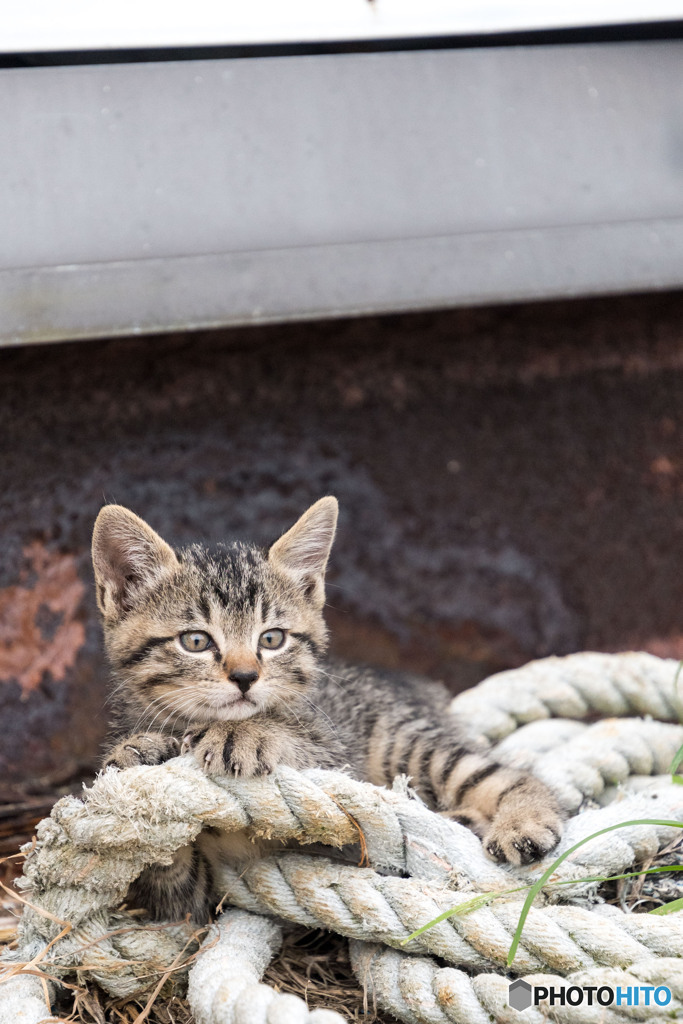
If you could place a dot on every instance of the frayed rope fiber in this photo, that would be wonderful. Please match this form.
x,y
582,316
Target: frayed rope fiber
x,y
420,864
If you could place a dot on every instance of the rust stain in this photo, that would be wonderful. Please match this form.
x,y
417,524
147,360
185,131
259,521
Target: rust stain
x,y
662,466
38,629
663,646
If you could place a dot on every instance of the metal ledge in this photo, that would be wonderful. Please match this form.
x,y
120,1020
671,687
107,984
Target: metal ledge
x,y
163,196
178,293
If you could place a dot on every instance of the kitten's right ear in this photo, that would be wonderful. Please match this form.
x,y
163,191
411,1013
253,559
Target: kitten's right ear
x,y
128,558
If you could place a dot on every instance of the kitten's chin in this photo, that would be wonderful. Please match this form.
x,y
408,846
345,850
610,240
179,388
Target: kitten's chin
x,y
237,711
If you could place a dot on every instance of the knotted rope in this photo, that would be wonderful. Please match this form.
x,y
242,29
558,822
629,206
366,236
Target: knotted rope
x,y
90,850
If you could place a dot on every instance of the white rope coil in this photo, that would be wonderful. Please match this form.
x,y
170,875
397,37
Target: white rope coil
x,y
575,686
580,762
90,850
418,991
26,999
361,904
224,986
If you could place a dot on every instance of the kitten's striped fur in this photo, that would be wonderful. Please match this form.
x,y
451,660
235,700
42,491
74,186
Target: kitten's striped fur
x,y
242,705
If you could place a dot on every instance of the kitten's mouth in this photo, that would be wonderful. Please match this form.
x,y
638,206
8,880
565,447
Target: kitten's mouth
x,y
233,711
220,708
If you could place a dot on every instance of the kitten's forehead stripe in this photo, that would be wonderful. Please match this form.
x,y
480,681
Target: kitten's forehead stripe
x,y
222,596
204,606
234,576
252,591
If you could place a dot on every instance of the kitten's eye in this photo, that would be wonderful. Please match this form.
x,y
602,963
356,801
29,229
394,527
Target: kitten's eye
x,y
271,639
196,641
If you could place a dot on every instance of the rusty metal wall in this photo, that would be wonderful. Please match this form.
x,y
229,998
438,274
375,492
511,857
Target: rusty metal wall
x,y
511,483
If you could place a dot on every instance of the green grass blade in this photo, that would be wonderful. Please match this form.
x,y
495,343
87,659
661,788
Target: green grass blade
x,y
669,908
627,874
481,900
678,756
538,885
677,761
484,899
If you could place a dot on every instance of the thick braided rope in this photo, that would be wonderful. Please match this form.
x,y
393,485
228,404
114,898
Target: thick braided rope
x,y
89,852
418,991
489,931
575,686
362,904
225,987
579,761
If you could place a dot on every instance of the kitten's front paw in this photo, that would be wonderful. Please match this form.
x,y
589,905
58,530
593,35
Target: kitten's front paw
x,y
142,748
208,745
523,837
225,748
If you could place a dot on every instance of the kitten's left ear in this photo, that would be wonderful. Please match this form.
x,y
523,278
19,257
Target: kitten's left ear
x,y
303,551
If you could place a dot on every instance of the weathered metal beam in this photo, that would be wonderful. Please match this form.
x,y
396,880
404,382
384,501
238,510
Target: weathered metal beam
x,y
141,197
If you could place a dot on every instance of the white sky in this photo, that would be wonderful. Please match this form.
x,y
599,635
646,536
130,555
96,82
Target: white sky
x,y
101,24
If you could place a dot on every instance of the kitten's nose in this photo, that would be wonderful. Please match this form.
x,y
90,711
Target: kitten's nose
x,y
243,679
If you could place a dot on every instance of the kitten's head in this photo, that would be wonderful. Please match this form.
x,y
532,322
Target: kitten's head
x,y
208,635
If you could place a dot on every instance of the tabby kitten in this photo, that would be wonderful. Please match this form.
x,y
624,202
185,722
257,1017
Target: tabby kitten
x,y
220,653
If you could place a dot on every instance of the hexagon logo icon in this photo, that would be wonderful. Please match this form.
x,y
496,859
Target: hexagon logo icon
x,y
519,994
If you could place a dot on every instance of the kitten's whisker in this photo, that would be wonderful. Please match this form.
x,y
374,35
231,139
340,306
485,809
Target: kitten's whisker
x,y
311,703
171,716
189,701
300,694
184,706
140,723
167,703
288,708
109,699
334,679
148,711
160,712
